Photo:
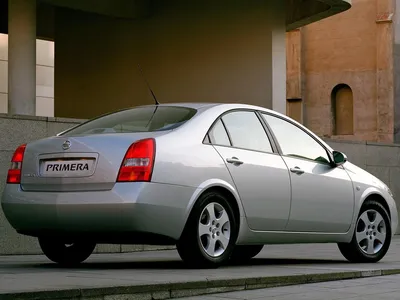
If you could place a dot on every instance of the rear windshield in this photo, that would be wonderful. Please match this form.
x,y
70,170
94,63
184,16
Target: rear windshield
x,y
140,119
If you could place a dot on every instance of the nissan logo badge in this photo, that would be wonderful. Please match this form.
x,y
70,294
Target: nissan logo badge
x,y
66,145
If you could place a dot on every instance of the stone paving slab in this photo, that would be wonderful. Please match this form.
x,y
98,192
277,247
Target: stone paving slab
x,y
386,287
162,275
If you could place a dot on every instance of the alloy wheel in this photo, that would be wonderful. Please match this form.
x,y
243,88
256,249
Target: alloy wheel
x,y
371,232
214,230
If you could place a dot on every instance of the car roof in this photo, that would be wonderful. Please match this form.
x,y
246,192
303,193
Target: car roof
x,y
195,105
206,105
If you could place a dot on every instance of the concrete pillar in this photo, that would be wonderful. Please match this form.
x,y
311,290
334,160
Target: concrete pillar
x,y
22,57
279,70
278,26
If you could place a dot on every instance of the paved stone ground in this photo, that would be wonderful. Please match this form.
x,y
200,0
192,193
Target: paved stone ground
x,y
36,273
385,288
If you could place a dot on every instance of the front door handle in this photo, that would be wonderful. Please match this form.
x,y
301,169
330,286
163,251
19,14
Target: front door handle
x,y
296,170
234,160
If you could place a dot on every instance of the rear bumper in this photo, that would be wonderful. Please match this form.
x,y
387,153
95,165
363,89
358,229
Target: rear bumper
x,y
141,208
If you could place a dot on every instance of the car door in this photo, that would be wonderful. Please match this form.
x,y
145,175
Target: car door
x,y
260,175
322,195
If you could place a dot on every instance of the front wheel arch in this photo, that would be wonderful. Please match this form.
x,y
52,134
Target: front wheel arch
x,y
378,198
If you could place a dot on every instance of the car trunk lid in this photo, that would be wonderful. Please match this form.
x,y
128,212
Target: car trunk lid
x,y
76,163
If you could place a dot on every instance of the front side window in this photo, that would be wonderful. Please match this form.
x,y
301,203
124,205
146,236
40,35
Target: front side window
x,y
140,119
296,142
246,131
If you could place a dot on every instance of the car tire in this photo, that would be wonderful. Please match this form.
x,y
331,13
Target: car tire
x,y
64,254
210,233
371,239
244,253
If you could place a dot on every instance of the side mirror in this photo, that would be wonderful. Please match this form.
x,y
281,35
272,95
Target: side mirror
x,y
339,158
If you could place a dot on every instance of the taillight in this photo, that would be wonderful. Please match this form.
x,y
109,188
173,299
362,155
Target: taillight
x,y
14,173
138,162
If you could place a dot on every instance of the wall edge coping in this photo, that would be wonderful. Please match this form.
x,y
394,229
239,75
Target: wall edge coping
x,y
367,143
329,140
40,118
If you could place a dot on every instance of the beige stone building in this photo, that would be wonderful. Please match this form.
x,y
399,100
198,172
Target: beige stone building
x,y
343,73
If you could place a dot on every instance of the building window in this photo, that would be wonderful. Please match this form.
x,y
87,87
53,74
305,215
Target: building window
x,y
342,110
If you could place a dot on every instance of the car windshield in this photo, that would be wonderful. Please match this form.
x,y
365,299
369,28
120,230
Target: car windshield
x,y
140,119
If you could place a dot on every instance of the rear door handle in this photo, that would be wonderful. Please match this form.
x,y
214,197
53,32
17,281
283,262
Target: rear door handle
x,y
296,170
234,160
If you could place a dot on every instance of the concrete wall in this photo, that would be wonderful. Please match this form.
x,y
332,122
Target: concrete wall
x,y
189,51
44,76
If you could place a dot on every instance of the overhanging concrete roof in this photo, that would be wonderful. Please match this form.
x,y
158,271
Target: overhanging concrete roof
x,y
298,12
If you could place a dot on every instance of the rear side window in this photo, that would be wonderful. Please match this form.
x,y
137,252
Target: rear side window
x,y
140,119
218,134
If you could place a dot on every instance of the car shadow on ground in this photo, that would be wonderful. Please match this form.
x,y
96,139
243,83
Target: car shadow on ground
x,y
178,264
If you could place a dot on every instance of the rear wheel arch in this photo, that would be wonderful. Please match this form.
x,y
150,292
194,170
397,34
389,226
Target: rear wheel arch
x,y
222,191
231,199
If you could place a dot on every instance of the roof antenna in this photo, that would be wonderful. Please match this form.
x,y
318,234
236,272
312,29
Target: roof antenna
x,y
154,96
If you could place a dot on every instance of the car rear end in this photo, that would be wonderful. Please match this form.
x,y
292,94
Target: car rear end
x,y
96,180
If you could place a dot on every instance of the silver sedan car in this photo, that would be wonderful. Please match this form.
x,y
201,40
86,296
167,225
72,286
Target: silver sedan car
x,y
219,181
